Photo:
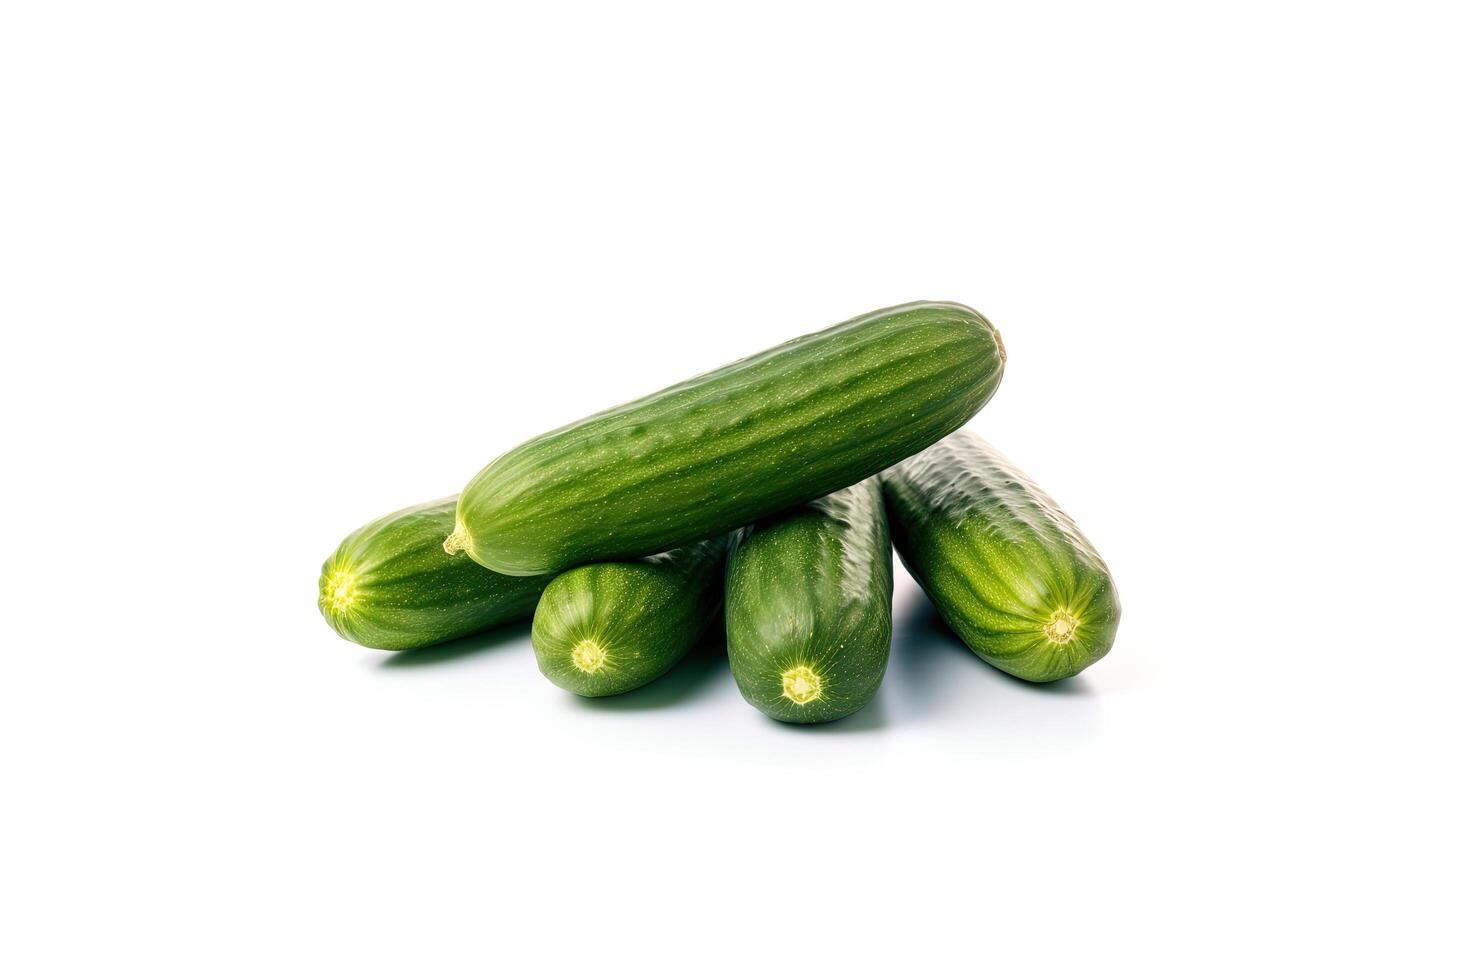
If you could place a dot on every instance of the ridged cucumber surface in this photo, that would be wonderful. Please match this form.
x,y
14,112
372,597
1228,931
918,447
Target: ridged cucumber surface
x,y
609,627
777,429
389,585
1006,568
809,607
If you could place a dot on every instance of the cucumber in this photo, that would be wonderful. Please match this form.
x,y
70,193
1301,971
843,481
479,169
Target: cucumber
x,y
1007,570
610,627
389,585
712,454
809,607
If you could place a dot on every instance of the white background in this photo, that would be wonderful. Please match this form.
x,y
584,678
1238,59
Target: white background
x,y
270,270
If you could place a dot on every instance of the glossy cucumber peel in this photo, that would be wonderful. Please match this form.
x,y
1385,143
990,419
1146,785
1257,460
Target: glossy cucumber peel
x,y
1006,568
390,585
777,429
809,607
609,627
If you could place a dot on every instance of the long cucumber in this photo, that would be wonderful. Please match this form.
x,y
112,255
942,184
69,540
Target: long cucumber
x,y
777,429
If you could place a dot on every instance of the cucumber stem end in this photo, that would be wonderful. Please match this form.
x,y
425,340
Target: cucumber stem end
x,y
1061,628
340,591
801,685
588,656
458,540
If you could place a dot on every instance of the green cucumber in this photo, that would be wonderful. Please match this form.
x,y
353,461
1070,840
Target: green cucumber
x,y
712,454
610,627
1007,570
809,607
389,585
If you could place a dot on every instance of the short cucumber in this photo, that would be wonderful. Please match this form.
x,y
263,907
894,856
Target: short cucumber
x,y
609,627
809,607
1007,570
389,584
714,453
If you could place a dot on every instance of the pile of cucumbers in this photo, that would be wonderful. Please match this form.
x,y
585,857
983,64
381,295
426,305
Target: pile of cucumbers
x,y
773,489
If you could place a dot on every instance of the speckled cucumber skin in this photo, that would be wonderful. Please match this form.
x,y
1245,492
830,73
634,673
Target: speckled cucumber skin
x,y
390,586
1007,570
789,425
610,627
809,607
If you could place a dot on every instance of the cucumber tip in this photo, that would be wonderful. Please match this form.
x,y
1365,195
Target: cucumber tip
x,y
1061,628
458,540
589,657
801,685
340,590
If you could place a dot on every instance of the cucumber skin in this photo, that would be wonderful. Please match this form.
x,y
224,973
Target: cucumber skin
x,y
405,592
644,615
813,588
999,558
801,420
